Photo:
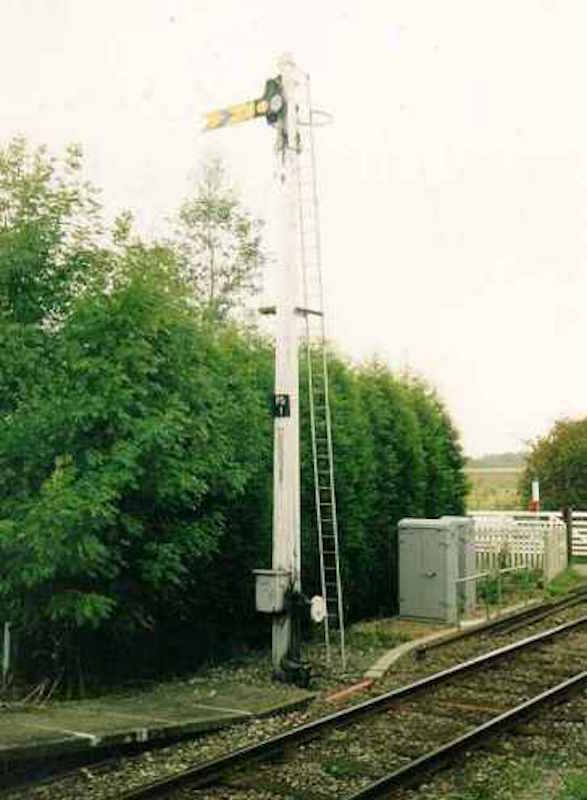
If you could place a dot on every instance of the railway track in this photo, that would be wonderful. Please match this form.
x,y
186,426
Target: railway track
x,y
510,623
392,740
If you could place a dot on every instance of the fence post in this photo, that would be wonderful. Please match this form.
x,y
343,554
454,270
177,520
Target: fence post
x,y
498,592
487,594
547,568
568,518
5,654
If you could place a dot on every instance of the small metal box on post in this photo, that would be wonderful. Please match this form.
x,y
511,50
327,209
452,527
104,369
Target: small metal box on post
x,y
271,586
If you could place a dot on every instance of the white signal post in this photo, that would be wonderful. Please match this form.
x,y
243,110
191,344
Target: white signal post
x,y
286,450
535,505
286,557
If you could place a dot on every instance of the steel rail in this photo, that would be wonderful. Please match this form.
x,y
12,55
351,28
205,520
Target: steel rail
x,y
508,623
209,771
410,773
513,625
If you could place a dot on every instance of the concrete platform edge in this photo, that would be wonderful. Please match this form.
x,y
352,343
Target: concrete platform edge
x,y
68,746
452,633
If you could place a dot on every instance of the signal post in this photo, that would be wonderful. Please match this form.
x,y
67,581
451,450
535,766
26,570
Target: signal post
x,y
278,105
286,442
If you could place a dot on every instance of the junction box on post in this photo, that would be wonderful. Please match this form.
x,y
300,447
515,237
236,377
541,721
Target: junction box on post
x,y
271,586
275,594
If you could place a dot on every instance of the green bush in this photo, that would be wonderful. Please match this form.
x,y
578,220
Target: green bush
x,y
136,450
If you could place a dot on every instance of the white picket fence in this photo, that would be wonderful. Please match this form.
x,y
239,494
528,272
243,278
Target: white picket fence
x,y
512,539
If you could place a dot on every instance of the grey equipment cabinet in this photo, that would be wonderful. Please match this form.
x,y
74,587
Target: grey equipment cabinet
x,y
466,592
428,568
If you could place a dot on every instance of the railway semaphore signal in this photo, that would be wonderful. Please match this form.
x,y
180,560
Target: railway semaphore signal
x,y
272,106
278,590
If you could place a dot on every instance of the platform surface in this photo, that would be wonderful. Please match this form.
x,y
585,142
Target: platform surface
x,y
167,711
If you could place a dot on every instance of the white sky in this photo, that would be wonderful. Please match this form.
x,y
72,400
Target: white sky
x,y
453,183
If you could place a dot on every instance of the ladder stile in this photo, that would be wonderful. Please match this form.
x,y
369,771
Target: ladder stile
x,y
317,365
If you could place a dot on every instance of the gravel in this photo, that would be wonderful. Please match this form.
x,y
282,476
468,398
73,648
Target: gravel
x,y
109,781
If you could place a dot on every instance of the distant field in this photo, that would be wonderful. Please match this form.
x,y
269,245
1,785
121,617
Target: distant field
x,y
493,488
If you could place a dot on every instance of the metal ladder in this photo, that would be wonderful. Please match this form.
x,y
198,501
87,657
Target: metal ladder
x,y
317,364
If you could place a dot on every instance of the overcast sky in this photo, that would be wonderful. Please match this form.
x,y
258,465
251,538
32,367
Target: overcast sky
x,y
453,182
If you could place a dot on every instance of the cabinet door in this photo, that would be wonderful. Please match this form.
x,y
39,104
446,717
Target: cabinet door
x,y
432,574
423,556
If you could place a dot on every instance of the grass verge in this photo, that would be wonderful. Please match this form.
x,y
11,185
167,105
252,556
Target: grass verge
x,y
565,582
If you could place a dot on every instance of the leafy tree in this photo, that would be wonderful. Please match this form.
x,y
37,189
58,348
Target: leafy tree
x,y
445,480
400,452
49,227
219,243
559,461
136,437
399,480
222,607
118,465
